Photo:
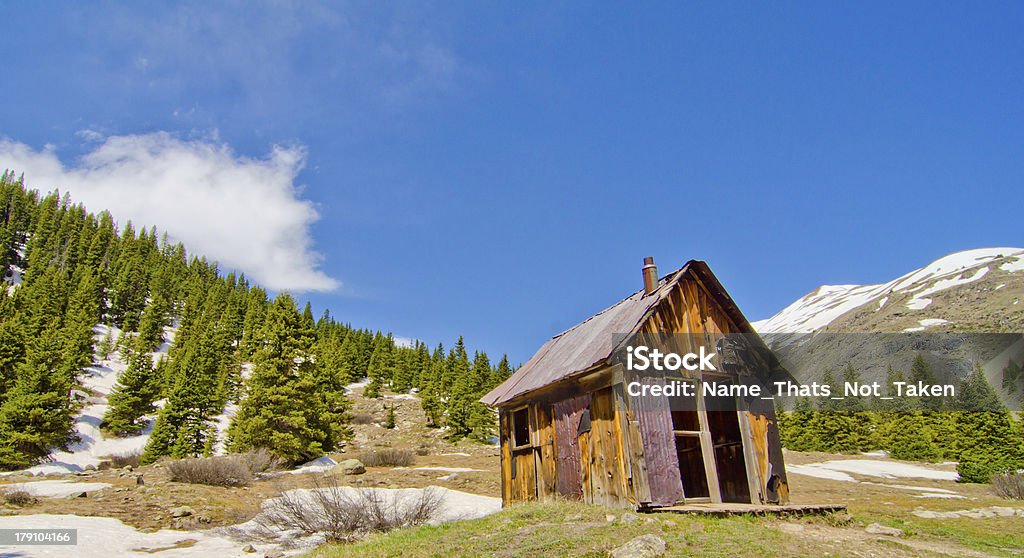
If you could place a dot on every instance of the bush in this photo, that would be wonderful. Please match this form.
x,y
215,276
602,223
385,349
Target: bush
x,y
230,470
19,497
346,514
131,458
1009,485
362,418
388,457
261,461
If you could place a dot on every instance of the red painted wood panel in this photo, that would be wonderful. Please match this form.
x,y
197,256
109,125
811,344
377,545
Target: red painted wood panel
x,y
567,415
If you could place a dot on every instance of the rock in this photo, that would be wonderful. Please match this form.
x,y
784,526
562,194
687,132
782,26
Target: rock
x,y
90,467
879,529
609,518
1002,511
574,517
274,554
629,518
181,511
249,549
644,546
350,467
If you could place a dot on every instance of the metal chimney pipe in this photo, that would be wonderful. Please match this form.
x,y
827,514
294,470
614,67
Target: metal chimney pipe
x,y
650,275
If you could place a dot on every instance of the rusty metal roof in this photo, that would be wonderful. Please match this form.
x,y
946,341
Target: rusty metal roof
x,y
593,340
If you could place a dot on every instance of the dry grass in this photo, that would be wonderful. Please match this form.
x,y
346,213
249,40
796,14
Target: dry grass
x,y
343,515
228,470
261,461
119,460
388,457
18,497
1009,485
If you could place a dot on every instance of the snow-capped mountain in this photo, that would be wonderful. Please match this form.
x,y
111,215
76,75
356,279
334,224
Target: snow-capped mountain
x,y
974,290
968,294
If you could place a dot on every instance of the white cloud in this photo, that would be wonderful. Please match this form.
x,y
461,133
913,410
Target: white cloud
x,y
245,213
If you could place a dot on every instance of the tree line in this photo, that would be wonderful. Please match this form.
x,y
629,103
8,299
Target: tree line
x,y
973,428
196,341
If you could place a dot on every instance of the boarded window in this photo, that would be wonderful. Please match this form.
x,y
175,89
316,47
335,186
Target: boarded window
x,y
521,428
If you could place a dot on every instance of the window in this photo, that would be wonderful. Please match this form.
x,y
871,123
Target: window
x,y
521,427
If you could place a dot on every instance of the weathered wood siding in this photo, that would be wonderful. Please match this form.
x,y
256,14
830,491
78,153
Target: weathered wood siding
x,y
691,313
518,468
567,414
545,452
659,449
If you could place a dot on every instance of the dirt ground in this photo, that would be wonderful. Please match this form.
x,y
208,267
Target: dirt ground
x,y
149,506
868,498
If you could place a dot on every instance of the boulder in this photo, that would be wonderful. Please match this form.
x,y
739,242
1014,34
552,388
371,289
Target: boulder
x,y
879,529
644,546
350,467
181,511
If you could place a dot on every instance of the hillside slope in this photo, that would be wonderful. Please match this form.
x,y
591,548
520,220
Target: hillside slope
x,y
976,292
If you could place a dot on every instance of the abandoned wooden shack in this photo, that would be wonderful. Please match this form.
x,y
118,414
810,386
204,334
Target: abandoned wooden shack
x,y
568,425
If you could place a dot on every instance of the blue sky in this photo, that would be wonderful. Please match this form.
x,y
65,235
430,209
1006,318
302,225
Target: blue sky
x,y
500,170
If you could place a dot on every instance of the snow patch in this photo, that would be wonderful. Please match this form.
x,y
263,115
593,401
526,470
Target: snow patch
x,y
824,305
103,537
918,303
885,469
1017,264
58,488
319,465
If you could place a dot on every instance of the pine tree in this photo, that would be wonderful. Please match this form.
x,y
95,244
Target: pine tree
x,y
36,416
459,414
796,433
133,396
282,411
920,371
389,423
990,440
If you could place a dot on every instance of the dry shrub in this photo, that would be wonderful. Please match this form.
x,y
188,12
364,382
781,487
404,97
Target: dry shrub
x,y
362,418
345,515
1009,485
131,458
260,460
388,457
19,497
229,470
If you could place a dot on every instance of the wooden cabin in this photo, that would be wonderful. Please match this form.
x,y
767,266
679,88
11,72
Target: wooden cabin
x,y
568,426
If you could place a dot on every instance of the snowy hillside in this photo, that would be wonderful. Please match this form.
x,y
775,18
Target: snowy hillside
x,y
94,445
908,303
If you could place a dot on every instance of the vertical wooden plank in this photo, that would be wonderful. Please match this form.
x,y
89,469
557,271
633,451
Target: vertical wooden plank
x,y
598,450
546,461
585,467
654,418
707,448
567,414
607,450
505,439
626,458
